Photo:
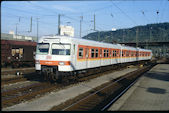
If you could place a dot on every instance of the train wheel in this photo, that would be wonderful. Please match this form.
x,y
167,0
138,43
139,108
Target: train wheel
x,y
45,76
65,80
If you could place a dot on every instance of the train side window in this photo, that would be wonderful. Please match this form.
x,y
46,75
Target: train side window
x,y
115,54
122,53
104,52
80,52
92,53
97,53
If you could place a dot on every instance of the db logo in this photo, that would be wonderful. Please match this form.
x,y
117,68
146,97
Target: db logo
x,y
48,57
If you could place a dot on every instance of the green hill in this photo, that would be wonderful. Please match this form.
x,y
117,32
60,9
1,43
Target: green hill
x,y
150,32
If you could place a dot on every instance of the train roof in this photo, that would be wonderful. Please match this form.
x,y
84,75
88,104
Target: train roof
x,y
90,42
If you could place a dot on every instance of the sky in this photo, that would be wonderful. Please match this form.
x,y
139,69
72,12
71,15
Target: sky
x,y
109,14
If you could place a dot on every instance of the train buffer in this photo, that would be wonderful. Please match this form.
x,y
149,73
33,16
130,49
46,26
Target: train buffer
x,y
151,92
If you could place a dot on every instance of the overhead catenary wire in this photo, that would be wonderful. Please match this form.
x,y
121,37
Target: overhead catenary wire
x,y
35,5
124,13
28,12
95,10
75,18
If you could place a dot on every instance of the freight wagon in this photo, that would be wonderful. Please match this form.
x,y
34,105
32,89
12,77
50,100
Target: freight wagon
x,y
17,53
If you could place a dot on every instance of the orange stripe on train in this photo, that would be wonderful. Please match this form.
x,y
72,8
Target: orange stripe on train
x,y
53,63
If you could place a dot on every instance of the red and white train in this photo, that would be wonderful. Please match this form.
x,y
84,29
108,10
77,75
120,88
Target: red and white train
x,y
62,54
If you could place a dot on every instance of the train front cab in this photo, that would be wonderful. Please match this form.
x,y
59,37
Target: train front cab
x,y
53,59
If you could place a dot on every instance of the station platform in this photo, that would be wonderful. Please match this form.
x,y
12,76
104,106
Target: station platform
x,y
150,92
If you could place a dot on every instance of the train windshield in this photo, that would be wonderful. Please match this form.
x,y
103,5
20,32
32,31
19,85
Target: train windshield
x,y
60,49
42,48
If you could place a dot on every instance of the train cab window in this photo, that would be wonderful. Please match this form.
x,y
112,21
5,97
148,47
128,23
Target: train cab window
x,y
92,53
97,53
80,52
60,49
42,48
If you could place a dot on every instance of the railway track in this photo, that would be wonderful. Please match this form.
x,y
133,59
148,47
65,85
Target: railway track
x,y
25,77
18,95
100,98
15,96
9,75
6,71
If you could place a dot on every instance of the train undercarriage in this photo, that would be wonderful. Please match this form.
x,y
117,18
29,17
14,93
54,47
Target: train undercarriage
x,y
51,73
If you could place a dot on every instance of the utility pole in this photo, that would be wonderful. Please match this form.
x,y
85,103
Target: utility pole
x,y
95,28
94,23
59,24
123,35
37,28
146,44
81,19
137,37
30,25
16,30
150,34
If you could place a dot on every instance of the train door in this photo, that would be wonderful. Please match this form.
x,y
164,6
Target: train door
x,y
74,57
86,56
100,55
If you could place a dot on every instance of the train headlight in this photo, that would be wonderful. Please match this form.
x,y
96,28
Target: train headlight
x,y
61,63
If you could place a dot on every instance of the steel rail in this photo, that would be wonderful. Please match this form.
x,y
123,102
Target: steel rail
x,y
111,84
119,95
